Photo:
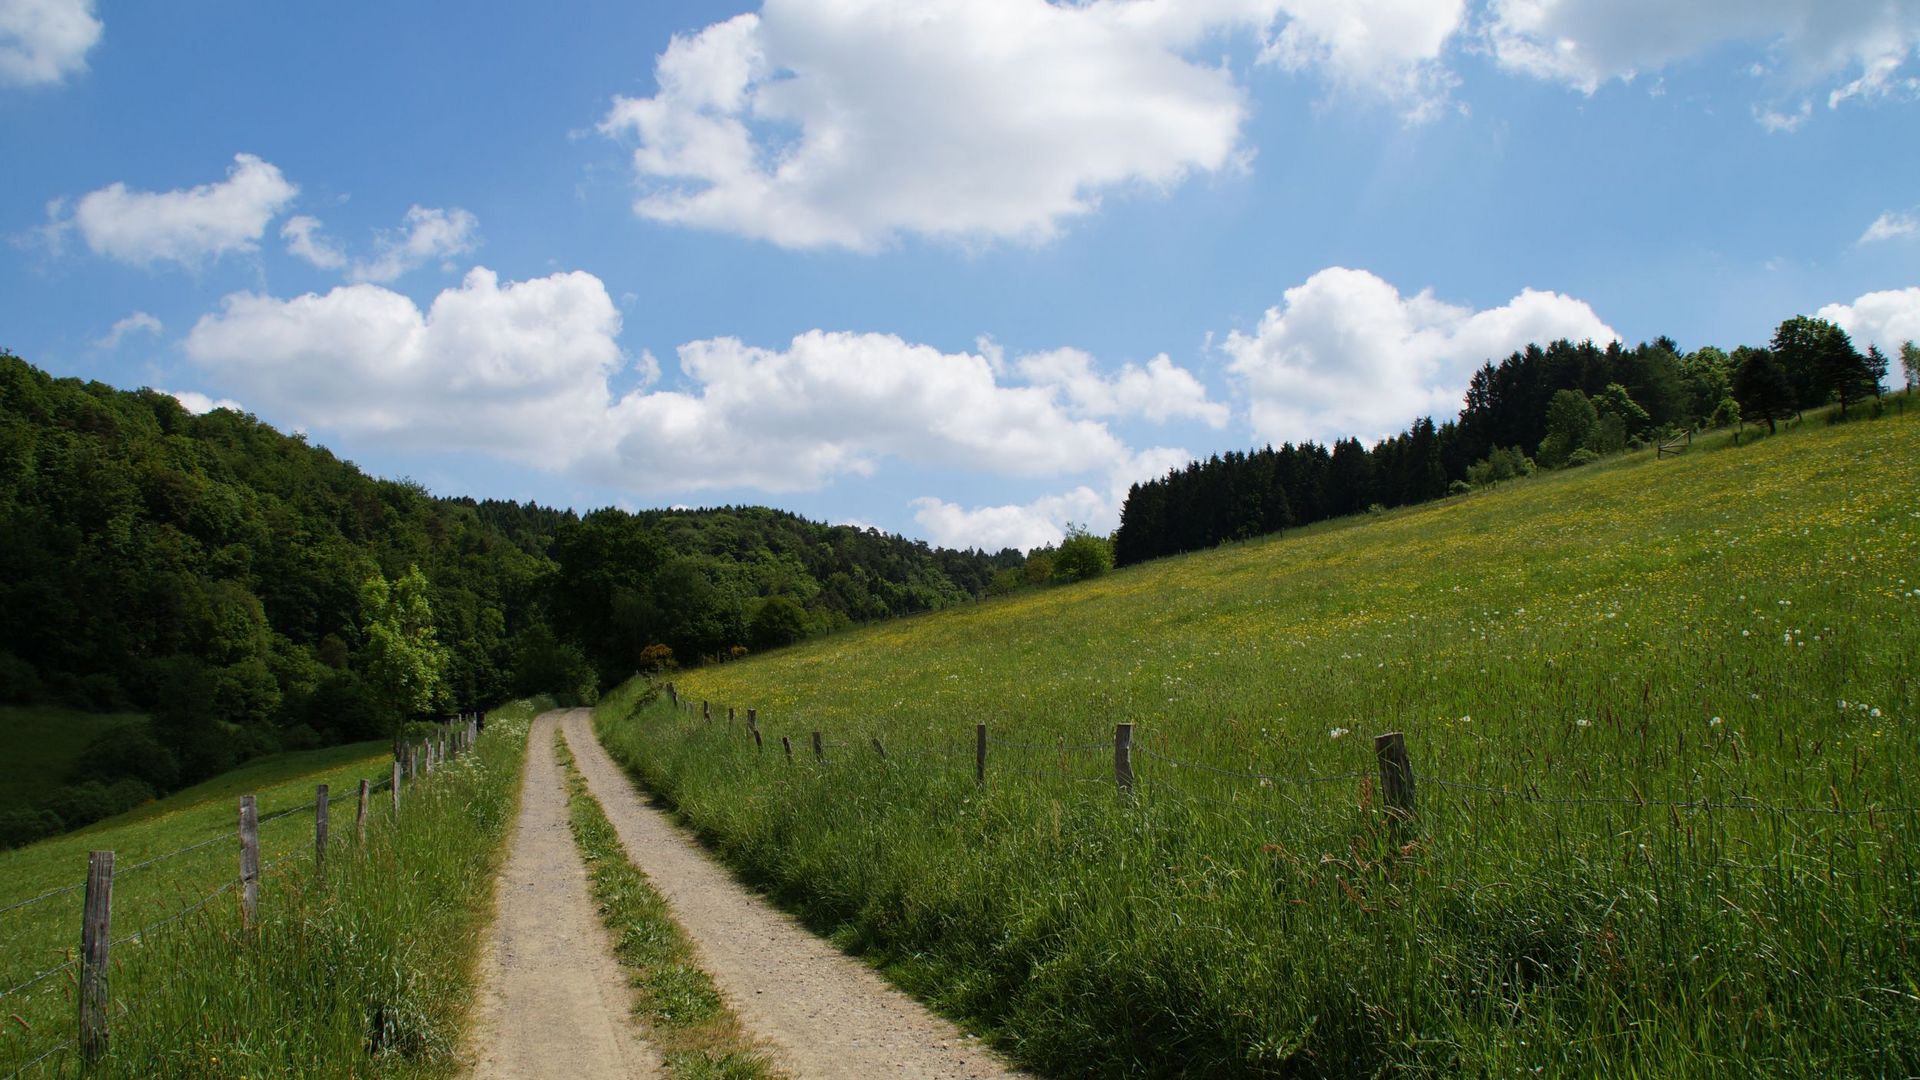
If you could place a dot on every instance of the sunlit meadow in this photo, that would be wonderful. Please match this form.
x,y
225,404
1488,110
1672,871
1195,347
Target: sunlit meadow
x,y
1661,719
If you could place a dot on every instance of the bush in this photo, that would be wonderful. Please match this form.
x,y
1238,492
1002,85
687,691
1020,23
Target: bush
x,y
778,621
19,683
131,751
21,827
1082,555
1582,456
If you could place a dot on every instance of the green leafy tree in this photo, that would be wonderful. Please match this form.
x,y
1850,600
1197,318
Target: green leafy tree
x,y
1821,363
1082,555
1761,387
1876,369
1571,424
405,663
779,620
1910,363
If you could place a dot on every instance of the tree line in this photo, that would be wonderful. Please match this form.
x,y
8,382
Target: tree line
x,y
250,592
1553,406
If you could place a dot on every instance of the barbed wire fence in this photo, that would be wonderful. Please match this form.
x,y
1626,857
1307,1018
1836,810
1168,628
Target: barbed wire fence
x,y
412,762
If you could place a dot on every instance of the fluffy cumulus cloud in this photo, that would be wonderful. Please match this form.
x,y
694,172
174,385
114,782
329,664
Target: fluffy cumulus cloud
x,y
196,402
138,322
1160,391
1346,354
305,240
528,370
186,226
1043,521
1392,49
488,366
1862,45
833,403
1886,319
846,123
429,234
44,41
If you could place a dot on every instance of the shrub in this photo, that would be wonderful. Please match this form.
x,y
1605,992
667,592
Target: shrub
x,y
1082,555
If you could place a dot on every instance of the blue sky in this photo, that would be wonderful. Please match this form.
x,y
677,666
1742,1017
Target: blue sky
x,y
961,269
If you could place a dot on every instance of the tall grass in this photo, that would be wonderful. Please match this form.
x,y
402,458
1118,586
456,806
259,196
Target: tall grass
x,y
1734,630
363,970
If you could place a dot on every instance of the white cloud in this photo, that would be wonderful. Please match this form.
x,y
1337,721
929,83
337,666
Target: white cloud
x,y
527,370
302,234
1892,225
835,403
1044,520
138,321
1783,123
1585,43
1346,354
517,369
846,123
1885,318
196,402
184,226
429,234
1386,48
44,41
1160,391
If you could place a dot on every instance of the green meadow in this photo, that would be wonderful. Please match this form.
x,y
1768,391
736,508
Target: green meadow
x,y
364,969
1661,716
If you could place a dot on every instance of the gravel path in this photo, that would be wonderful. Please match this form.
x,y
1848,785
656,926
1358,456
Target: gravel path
x,y
825,1013
553,1002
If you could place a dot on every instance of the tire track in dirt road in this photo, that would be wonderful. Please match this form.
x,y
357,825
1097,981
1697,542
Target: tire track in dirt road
x,y
825,1013
553,1002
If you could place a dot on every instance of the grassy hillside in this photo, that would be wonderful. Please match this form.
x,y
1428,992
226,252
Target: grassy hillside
x,y
364,972
42,743
1661,717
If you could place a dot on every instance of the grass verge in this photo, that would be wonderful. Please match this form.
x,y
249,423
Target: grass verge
x,y
363,970
1662,716
685,1017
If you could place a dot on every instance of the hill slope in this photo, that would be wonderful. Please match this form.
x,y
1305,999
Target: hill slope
x,y
1650,705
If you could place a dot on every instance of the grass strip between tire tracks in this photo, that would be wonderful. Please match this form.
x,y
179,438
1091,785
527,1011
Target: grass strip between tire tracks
x,y
685,1017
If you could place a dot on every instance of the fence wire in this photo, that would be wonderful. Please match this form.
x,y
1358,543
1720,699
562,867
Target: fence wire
x,y
70,1044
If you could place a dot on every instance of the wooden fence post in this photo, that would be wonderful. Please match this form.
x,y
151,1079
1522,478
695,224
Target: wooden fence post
x,y
878,749
787,745
1123,758
360,818
980,753
320,802
753,720
706,711
729,716
819,752
395,791
673,695
249,861
96,924
1396,773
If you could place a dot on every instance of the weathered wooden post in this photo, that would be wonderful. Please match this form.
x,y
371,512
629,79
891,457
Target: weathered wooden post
x,y
1123,758
980,753
320,801
753,720
729,716
673,695
395,791
756,739
787,745
249,861
878,749
96,925
1396,774
706,711
819,752
360,816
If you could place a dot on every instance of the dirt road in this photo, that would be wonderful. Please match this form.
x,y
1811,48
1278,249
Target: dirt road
x,y
553,1002
825,1013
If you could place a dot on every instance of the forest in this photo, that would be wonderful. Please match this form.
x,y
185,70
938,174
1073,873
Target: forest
x,y
249,592
1554,406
